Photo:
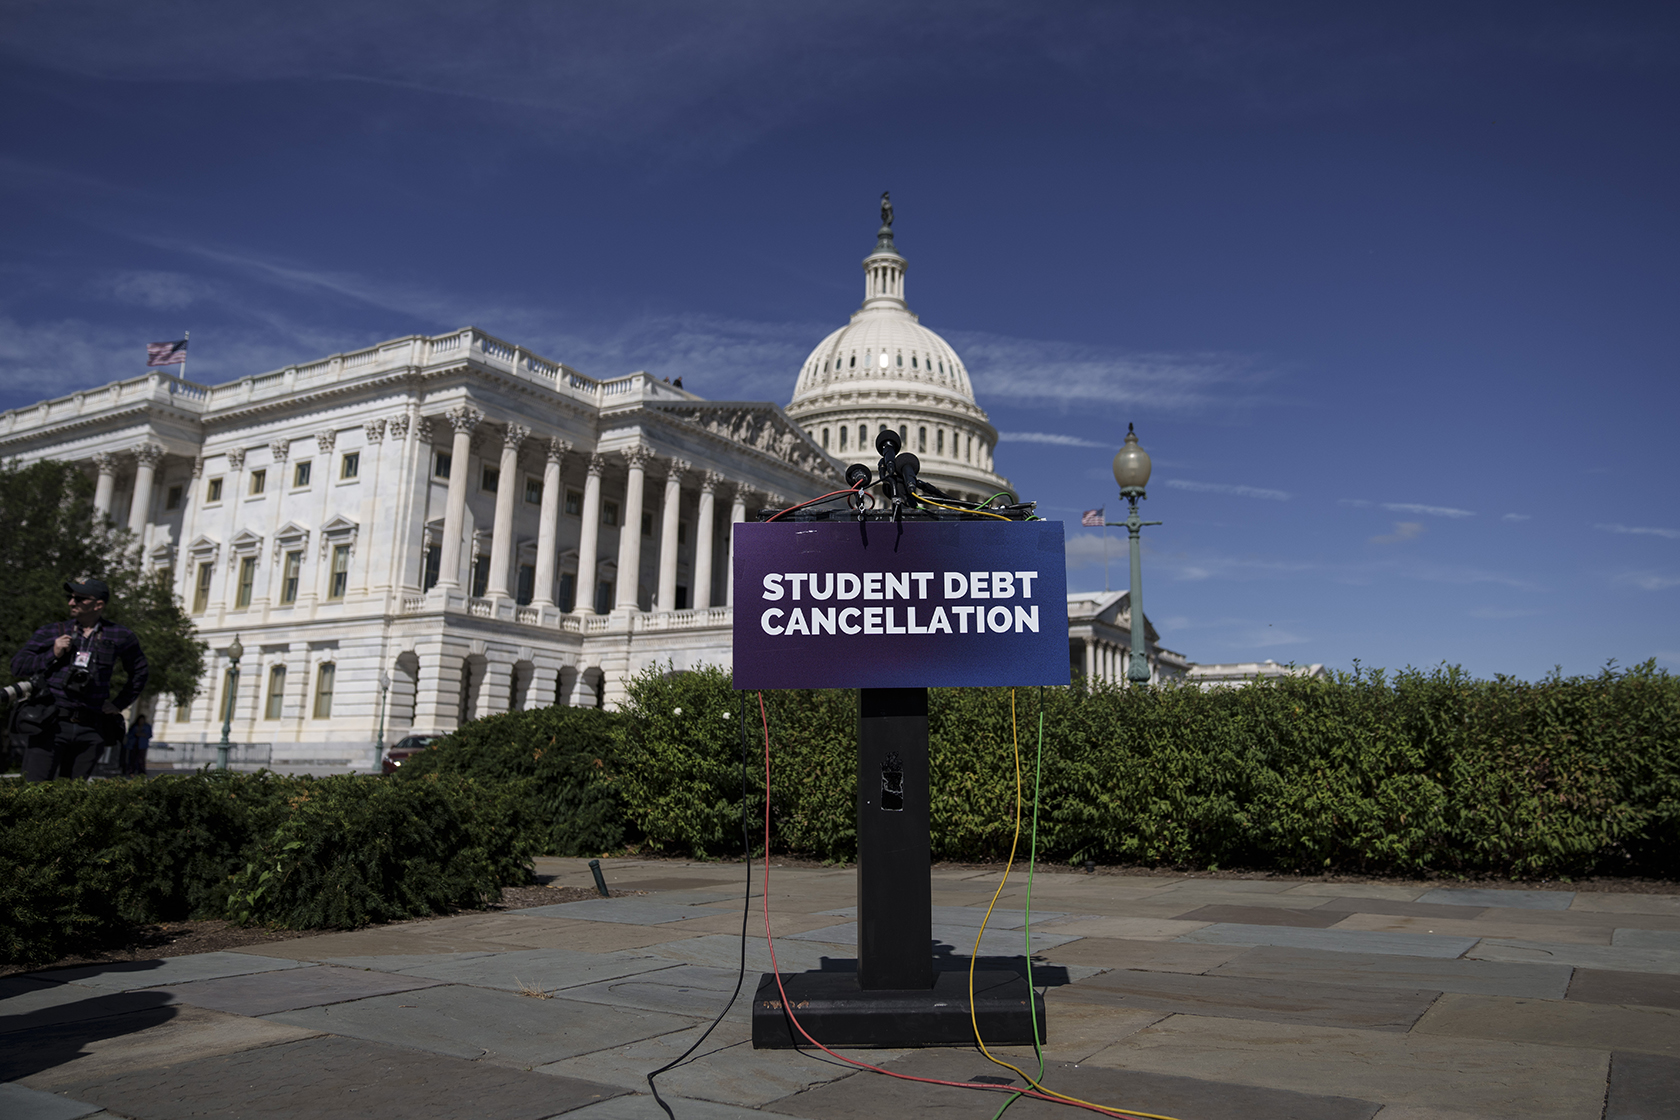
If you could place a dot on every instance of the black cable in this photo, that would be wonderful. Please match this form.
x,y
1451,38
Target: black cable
x,y
746,912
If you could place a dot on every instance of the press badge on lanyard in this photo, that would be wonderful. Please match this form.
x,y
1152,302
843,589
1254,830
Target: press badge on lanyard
x,y
83,658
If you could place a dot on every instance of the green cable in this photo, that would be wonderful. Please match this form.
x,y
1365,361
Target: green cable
x,y
1032,862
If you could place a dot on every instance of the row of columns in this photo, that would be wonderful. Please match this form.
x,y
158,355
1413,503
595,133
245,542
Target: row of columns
x,y
1106,661
463,419
146,457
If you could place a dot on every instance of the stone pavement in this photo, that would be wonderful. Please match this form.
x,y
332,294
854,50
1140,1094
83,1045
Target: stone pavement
x,y
1194,998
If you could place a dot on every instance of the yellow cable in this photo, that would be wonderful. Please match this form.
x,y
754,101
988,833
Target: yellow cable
x,y
973,1018
954,509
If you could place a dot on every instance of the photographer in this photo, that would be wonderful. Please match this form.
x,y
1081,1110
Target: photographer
x,y
77,657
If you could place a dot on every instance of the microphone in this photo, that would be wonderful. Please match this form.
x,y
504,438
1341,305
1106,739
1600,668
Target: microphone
x,y
857,476
909,466
888,443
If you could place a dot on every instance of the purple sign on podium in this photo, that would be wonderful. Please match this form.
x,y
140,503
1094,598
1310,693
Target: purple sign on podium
x,y
842,604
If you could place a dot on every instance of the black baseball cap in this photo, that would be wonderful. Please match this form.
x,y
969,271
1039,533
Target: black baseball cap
x,y
92,588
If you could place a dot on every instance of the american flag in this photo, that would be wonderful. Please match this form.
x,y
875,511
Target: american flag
x,y
166,353
1093,518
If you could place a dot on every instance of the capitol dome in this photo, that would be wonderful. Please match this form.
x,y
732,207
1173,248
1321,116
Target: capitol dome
x,y
884,369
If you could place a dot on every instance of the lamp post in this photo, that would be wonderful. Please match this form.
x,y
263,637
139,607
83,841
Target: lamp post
x,y
1131,471
379,739
234,652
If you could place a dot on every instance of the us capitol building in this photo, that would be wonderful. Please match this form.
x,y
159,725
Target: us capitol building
x,y
437,528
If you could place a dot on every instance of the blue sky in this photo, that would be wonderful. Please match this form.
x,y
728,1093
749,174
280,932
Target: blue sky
x,y
1389,290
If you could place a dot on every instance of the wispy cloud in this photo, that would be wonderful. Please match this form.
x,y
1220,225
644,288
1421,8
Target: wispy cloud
x,y
1430,511
1048,437
1641,531
1515,517
1228,488
1648,581
1069,375
1403,531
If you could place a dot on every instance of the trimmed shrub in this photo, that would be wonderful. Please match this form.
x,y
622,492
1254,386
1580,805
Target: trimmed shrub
x,y
565,756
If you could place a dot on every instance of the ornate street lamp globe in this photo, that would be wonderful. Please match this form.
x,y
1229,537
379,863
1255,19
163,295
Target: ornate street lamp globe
x,y
236,651
1131,467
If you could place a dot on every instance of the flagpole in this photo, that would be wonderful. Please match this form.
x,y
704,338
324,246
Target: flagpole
x,y
1105,558
186,336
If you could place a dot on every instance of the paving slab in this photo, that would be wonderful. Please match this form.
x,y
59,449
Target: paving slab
x,y
72,1003
548,970
128,976
476,1023
952,939
263,993
784,924
684,989
1001,918
1629,989
725,1071
872,1095
1647,939
1478,927
1612,957
1129,929
641,1106
598,937
626,911
1642,1087
1292,1000
1333,940
20,1103
679,883
1151,956
1374,970
55,1056
1488,1079
1315,918
1076,1028
1600,902
723,951
1645,1030
333,1078
1511,900
1353,904
1397,892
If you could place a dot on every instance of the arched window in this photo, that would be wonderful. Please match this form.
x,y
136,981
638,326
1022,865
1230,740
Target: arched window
x,y
913,361
863,435
939,442
921,440
853,362
901,361
825,439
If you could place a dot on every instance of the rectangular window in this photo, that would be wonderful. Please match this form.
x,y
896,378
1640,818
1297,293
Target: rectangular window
x,y
173,499
863,437
183,713
609,513
921,440
489,480
939,442
682,598
300,474
647,524
228,694
247,580
259,482
324,689
276,692
340,571
201,589
480,575
527,582
574,503
604,597
290,577
969,454
533,490
825,439
568,591
441,464
434,558
843,432
213,490
351,465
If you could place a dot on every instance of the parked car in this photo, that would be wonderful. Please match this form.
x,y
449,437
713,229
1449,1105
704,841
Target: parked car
x,y
406,748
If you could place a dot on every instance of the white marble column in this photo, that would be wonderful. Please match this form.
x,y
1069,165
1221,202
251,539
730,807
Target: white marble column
x,y
507,492
463,418
589,538
147,456
1090,661
630,532
702,596
548,529
106,464
668,558
737,514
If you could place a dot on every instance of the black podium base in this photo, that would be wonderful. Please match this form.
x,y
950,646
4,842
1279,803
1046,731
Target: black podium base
x,y
836,1012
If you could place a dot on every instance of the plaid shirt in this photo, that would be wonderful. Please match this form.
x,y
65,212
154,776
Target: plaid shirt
x,y
109,643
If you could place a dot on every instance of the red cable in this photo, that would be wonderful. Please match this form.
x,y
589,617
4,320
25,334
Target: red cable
x,y
787,1007
812,502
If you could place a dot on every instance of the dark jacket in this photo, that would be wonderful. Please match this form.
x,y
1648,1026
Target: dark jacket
x,y
110,642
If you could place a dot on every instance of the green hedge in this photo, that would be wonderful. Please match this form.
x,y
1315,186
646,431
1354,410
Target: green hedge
x,y
82,863
1363,772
